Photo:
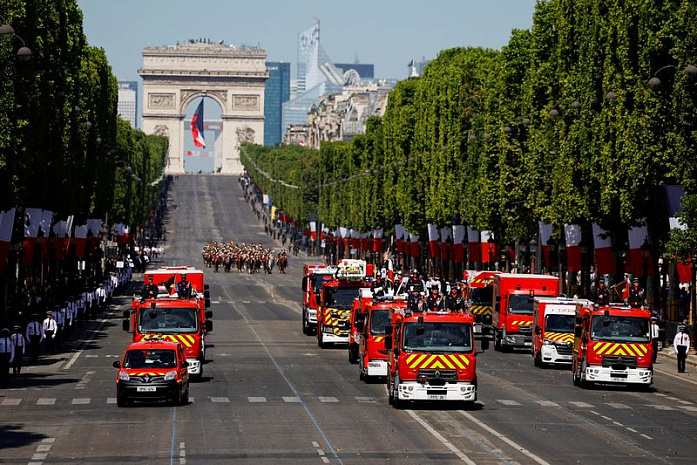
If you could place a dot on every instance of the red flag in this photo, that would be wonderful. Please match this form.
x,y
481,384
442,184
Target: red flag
x,y
433,240
458,246
635,261
80,241
545,236
197,126
377,240
573,247
473,240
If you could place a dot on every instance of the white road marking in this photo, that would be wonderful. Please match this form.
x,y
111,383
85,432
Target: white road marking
x,y
690,409
72,360
632,430
508,441
44,447
220,400
661,395
315,444
581,404
328,399
461,455
48,440
81,401
111,400
661,407
547,403
245,302
508,402
607,418
672,398
292,399
85,379
645,436
46,401
91,356
686,402
617,423
618,405
256,399
367,400
11,402
39,456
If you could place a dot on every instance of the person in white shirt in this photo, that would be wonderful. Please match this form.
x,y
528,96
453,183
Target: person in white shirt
x,y
50,328
20,345
35,334
681,344
7,353
655,331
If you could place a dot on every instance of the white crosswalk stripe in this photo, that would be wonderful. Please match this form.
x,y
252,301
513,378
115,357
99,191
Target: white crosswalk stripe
x,y
220,400
291,399
508,402
328,399
581,404
46,401
10,402
547,403
81,401
618,405
366,400
254,400
661,407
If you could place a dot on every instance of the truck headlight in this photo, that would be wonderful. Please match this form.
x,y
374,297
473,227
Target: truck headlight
x,y
123,376
170,375
547,342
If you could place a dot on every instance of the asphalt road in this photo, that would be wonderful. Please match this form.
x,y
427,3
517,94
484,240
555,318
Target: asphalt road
x,y
270,395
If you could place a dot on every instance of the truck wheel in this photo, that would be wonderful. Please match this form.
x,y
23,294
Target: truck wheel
x,y
584,383
574,374
353,354
320,341
538,361
122,401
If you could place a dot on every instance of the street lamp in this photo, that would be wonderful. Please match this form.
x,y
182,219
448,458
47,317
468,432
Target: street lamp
x,y
23,53
655,82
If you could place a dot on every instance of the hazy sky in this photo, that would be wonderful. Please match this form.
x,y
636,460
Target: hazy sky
x,y
385,33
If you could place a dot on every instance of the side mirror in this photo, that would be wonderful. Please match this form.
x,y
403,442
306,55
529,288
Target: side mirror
x,y
208,303
126,325
209,314
388,342
117,364
485,344
360,326
388,330
538,330
184,364
209,326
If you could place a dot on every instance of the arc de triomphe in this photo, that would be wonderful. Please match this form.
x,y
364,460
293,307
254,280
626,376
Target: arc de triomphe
x,y
173,76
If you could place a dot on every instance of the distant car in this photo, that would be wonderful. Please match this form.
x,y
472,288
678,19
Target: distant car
x,y
151,370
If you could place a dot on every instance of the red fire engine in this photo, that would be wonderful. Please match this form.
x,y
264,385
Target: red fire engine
x,y
553,329
612,344
431,357
370,327
512,301
479,298
313,276
360,306
336,301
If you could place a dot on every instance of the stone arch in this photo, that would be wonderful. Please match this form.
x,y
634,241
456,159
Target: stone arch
x,y
234,78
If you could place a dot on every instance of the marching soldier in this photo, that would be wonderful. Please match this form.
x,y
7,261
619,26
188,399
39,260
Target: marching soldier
x,y
454,301
50,328
7,353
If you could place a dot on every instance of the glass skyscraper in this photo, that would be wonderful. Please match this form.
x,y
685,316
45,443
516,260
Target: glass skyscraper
x,y
276,93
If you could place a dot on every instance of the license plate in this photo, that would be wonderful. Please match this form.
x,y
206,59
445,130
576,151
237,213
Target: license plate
x,y
146,389
374,364
528,344
618,375
436,397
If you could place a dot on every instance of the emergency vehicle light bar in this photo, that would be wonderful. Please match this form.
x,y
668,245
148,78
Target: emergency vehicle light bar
x,y
351,270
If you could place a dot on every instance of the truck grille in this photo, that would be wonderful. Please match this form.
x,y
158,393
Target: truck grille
x,y
617,362
525,329
436,376
564,350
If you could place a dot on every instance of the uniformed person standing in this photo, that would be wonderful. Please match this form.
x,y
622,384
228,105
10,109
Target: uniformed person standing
x,y
655,333
601,295
7,353
184,288
681,344
35,334
50,327
454,301
20,345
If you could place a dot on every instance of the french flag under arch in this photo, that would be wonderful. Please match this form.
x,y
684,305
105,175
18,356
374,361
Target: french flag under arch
x,y
197,126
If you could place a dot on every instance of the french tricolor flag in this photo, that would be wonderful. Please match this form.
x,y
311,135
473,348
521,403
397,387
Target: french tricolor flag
x,y
197,126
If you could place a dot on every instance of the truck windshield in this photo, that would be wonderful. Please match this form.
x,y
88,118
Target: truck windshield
x,y
481,295
559,323
340,297
438,337
378,320
150,358
167,320
520,304
620,328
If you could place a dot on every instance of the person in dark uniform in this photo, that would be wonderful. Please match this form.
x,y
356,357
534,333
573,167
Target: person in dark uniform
x,y
35,334
454,301
601,294
636,294
149,290
7,353
20,345
184,288
434,301
414,302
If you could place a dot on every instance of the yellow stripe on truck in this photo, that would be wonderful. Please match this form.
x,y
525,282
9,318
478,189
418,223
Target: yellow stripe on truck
x,y
609,348
416,361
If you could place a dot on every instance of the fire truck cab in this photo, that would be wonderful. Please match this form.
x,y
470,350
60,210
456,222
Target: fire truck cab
x,y
336,302
431,357
360,306
553,329
612,344
512,300
479,298
371,327
313,277
175,320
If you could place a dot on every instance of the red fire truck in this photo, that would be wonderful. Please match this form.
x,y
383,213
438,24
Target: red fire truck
x,y
336,301
313,276
553,329
479,298
512,301
360,306
431,357
371,326
173,319
612,344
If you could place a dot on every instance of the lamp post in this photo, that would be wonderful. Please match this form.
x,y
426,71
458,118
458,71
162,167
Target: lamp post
x,y
24,53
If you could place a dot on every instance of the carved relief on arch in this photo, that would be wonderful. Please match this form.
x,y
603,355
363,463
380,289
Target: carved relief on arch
x,y
161,130
244,134
158,100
